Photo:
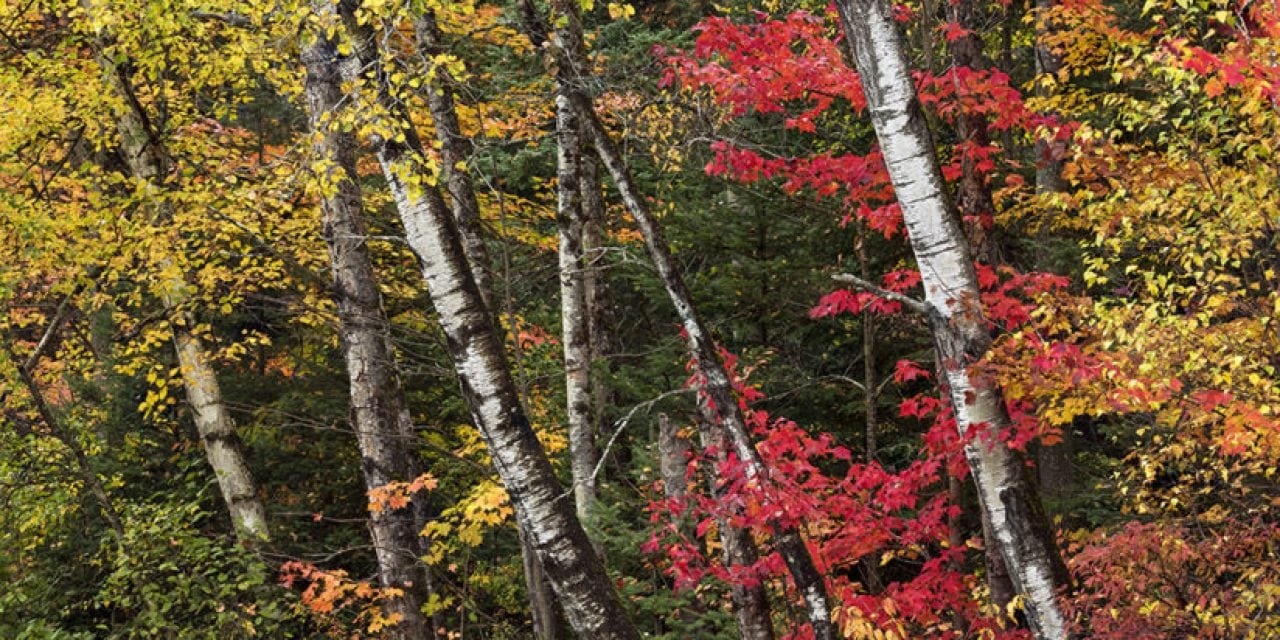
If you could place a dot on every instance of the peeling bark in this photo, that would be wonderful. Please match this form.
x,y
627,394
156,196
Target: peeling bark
x,y
1020,530
379,414
555,534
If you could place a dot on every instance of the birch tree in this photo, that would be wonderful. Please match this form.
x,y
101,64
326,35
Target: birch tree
x,y
717,404
574,314
952,303
149,163
556,535
379,414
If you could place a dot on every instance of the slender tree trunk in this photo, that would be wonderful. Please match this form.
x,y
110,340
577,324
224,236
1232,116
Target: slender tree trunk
x,y
561,544
961,336
977,209
1048,152
455,151
379,414
87,475
574,314
973,199
149,161
217,432
750,602
596,294
719,406
871,391
542,604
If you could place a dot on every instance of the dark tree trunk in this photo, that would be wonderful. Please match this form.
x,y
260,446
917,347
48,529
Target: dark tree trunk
x,y
750,602
379,414
1056,462
973,196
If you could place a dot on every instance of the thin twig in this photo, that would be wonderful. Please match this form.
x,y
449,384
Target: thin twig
x,y
621,424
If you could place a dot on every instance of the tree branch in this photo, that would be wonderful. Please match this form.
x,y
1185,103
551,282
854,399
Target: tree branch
x,y
918,306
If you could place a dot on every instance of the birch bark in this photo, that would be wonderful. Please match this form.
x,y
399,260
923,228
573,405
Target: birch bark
x,y
149,162
455,151
574,315
960,331
718,405
561,544
379,414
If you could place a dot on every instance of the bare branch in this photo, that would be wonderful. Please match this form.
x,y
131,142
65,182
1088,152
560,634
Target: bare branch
x,y
918,306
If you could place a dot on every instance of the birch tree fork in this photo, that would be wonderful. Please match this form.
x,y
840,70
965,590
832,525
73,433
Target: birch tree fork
x,y
718,404
455,150
379,415
149,162
959,327
566,554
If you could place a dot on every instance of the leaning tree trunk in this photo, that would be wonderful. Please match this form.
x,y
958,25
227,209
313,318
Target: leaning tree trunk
x,y
561,544
379,414
599,332
455,151
960,330
149,162
718,403
574,314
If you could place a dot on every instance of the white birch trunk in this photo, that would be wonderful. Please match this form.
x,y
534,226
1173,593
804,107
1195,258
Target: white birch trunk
x,y
574,315
455,150
554,532
960,331
719,405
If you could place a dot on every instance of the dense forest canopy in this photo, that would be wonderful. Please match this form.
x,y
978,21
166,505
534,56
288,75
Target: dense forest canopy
x,y
553,318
